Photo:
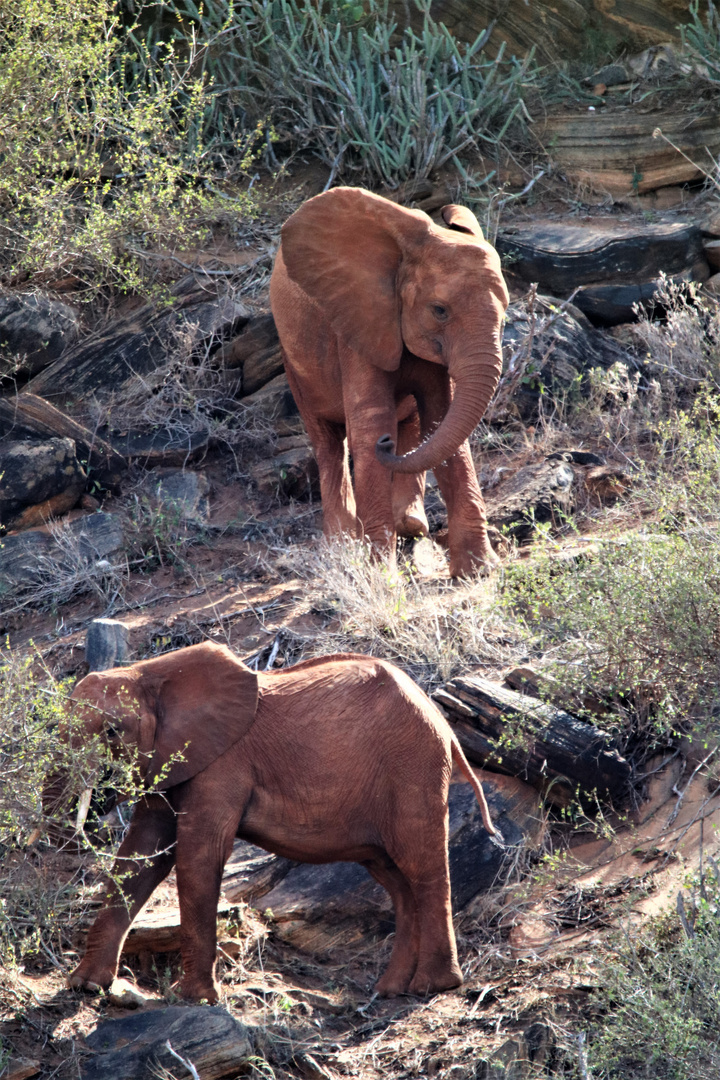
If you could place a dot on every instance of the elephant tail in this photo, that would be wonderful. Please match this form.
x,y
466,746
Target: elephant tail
x,y
464,766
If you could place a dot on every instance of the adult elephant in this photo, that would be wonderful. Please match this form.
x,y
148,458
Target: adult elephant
x,y
341,758
391,333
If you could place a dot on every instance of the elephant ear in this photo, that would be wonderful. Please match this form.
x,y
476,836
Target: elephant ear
x,y
204,700
461,219
344,249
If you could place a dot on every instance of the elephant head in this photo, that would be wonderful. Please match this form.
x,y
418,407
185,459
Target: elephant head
x,y
172,719
388,278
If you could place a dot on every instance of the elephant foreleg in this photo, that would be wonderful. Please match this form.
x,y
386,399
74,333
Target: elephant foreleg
x,y
468,541
408,489
205,841
144,859
328,443
369,401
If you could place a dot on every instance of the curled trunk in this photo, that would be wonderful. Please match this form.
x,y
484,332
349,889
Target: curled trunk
x,y
473,390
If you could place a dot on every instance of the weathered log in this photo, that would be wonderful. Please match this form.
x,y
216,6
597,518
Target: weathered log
x,y
543,745
29,414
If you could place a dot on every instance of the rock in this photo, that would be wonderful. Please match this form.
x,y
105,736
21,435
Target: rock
x,y
257,351
527,1054
20,1069
134,1048
136,345
34,331
615,266
577,457
555,29
98,535
19,557
607,483
127,995
292,473
712,253
26,558
533,495
610,75
712,285
153,448
107,644
38,480
181,492
27,414
274,401
561,355
613,151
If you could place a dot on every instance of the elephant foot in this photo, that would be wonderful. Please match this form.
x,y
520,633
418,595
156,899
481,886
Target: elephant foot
x,y
197,990
468,563
436,979
93,982
412,522
393,983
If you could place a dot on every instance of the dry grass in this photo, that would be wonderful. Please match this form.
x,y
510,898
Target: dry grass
x,y
431,627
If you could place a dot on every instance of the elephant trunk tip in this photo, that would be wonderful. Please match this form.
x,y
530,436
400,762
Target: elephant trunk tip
x,y
385,450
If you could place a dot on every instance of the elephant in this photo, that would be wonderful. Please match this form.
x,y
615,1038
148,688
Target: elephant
x,y
338,758
390,328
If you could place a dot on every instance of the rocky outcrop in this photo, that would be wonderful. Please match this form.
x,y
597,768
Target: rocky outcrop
x,y
38,481
612,266
137,1047
34,331
556,29
138,344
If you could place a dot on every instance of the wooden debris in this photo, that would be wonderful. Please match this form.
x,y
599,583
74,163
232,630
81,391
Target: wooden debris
x,y
544,745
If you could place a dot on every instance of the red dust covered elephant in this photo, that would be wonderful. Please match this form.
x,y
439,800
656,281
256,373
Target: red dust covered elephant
x,y
391,333
342,758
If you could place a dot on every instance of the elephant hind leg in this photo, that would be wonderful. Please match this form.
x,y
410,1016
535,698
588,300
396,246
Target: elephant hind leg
x,y
408,489
403,960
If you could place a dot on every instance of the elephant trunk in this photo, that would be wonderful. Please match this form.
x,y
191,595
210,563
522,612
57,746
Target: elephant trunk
x,y
474,387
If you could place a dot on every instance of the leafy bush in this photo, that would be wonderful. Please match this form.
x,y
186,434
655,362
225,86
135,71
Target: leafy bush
x,y
39,894
101,151
339,79
659,1003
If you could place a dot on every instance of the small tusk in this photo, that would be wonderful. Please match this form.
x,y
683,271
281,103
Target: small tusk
x,y
83,809
34,837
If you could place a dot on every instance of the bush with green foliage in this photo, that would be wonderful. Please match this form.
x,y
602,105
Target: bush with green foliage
x,y
636,626
660,1000
102,149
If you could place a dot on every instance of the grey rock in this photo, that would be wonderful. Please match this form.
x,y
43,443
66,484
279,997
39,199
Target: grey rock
x,y
134,1047
43,474
136,345
34,331
181,492
107,644
534,495
560,356
19,557
99,535
273,402
293,473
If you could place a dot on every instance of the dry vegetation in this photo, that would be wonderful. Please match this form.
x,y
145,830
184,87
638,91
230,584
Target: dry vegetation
x,y
620,602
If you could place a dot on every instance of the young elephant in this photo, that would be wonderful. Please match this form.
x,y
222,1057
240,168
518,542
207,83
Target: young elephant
x,y
341,758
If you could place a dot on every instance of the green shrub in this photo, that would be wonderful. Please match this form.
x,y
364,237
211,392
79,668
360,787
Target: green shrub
x,y
374,104
660,1001
101,150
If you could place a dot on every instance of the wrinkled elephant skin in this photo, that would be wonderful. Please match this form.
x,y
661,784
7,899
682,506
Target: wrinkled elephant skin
x,y
341,758
390,327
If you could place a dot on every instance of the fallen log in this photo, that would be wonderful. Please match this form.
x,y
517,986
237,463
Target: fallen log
x,y
545,746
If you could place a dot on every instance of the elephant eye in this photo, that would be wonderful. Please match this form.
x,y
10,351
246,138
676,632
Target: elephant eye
x,y
111,732
440,311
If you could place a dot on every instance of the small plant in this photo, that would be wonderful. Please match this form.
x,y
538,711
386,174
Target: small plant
x,y
659,1002
338,78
